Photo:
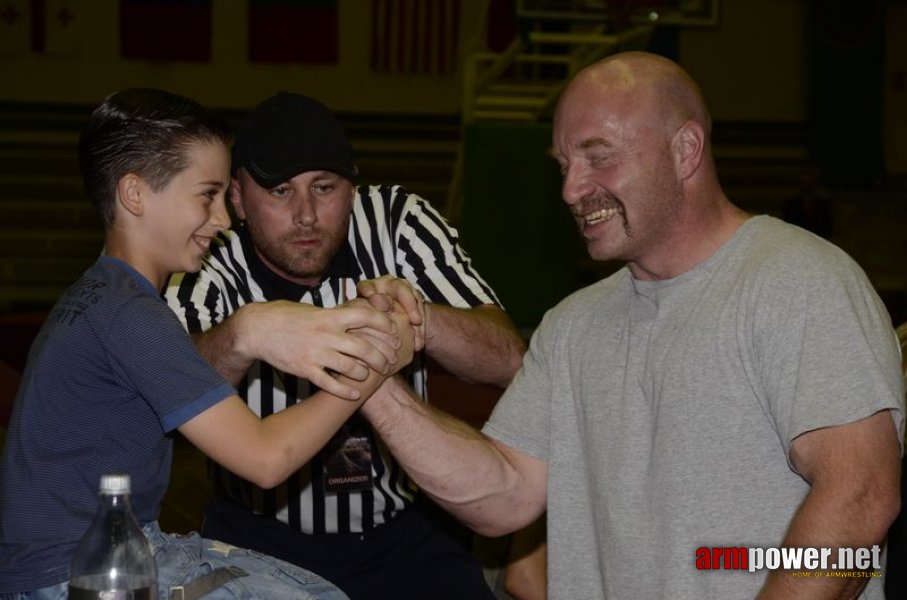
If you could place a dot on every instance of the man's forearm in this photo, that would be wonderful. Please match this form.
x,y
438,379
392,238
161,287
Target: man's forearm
x,y
484,485
479,345
223,346
825,521
853,471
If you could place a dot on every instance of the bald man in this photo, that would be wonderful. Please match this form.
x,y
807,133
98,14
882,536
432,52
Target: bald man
x,y
736,385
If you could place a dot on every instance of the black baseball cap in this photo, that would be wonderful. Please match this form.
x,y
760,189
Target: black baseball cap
x,y
289,134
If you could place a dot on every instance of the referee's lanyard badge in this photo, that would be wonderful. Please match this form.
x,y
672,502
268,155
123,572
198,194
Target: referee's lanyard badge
x,y
347,465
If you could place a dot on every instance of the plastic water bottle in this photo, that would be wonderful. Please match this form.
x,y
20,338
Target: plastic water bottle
x,y
113,561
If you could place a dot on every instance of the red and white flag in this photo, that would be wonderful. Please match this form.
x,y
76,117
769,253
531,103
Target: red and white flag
x,y
415,36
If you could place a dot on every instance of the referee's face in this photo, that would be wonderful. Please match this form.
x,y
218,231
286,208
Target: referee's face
x,y
297,227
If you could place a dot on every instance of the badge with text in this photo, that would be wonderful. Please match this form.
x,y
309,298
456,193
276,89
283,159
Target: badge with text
x,y
347,461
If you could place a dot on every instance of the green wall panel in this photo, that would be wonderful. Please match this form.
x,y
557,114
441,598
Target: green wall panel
x,y
514,223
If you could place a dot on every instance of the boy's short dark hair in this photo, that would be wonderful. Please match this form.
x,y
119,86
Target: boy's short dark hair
x,y
143,131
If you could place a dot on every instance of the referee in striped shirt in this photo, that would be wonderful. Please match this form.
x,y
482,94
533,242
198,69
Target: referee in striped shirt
x,y
309,239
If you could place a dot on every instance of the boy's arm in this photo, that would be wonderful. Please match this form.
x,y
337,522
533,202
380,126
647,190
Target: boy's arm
x,y
266,451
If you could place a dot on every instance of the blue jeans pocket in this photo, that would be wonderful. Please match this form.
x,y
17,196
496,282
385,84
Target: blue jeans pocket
x,y
182,558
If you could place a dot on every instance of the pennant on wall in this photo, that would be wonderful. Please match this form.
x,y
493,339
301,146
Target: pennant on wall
x,y
15,27
63,22
415,36
293,31
48,27
168,30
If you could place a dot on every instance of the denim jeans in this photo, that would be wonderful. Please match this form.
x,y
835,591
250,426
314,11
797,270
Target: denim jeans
x,y
53,592
182,558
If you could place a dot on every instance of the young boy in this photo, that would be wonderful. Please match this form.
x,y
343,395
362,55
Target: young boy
x,y
112,374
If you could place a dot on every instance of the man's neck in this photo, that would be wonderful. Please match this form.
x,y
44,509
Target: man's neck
x,y
694,242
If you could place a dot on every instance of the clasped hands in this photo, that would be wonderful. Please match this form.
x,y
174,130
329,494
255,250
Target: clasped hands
x,y
377,331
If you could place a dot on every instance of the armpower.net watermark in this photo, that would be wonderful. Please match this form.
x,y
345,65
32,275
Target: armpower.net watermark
x,y
807,562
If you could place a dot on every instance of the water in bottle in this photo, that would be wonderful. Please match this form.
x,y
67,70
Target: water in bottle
x,y
113,560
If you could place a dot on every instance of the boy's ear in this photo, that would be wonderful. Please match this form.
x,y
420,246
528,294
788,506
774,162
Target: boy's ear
x,y
130,193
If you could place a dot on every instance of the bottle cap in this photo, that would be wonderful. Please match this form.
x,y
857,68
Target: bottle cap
x,y
115,484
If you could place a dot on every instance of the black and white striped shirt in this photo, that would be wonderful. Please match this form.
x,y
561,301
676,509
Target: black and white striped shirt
x,y
391,232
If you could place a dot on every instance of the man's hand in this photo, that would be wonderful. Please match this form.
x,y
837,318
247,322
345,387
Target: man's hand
x,y
405,332
478,344
381,292
312,342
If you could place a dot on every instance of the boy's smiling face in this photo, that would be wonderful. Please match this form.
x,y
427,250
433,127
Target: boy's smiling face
x,y
181,219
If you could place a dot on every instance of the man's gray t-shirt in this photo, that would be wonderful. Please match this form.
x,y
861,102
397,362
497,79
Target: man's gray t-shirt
x,y
665,410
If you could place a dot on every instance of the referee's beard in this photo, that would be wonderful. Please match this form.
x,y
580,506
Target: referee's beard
x,y
302,255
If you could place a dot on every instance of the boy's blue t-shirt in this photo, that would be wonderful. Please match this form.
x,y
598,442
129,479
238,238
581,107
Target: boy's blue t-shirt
x,y
110,375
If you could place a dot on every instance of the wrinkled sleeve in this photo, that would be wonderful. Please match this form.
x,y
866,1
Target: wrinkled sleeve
x,y
826,348
521,418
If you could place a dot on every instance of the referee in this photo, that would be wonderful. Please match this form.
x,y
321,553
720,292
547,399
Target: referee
x,y
310,239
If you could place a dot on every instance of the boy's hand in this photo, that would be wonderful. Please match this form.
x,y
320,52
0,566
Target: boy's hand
x,y
312,342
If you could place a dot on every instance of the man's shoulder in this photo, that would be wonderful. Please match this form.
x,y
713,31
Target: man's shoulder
x,y
770,236
226,250
225,263
782,248
384,195
227,240
380,189
379,206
